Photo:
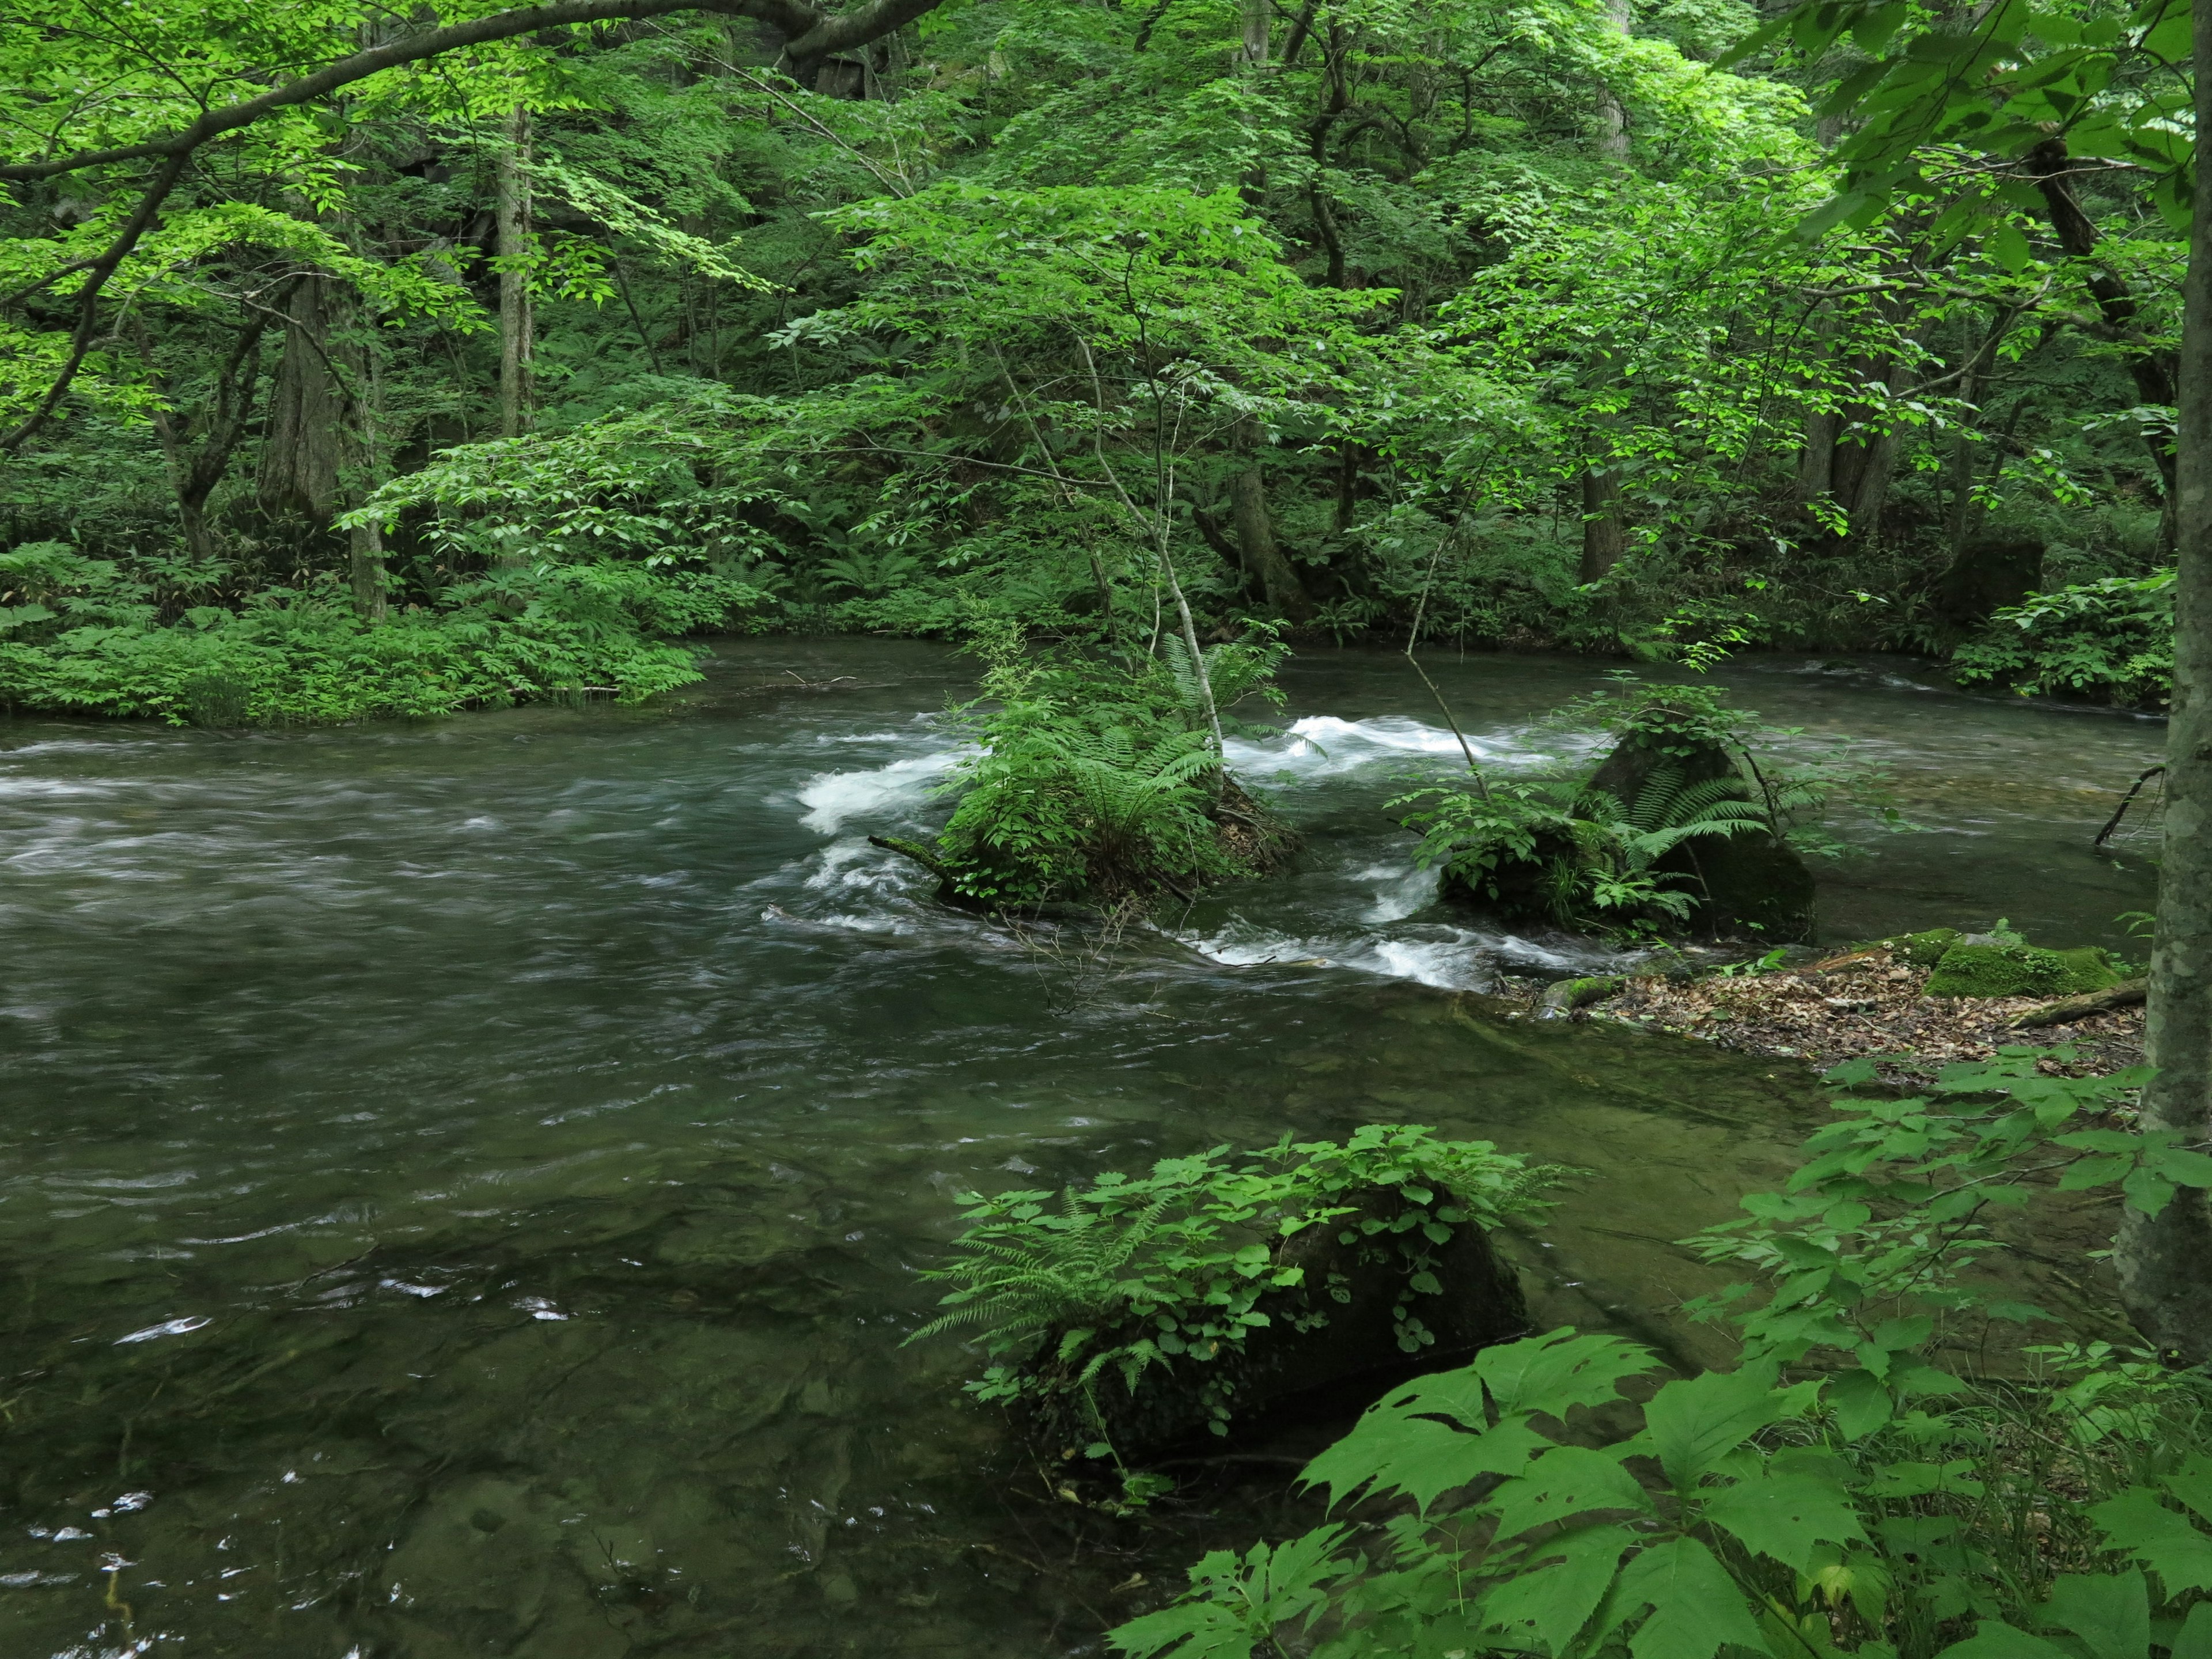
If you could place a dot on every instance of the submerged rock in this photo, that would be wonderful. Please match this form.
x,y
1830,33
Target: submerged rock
x,y
1329,1343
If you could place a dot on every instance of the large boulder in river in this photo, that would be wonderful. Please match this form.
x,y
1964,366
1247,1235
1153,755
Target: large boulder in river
x,y
1749,883
1331,1342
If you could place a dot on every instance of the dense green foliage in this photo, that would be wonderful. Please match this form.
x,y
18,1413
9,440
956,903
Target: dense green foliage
x,y
90,634
1843,1490
1124,322
1100,780
2111,639
1167,1269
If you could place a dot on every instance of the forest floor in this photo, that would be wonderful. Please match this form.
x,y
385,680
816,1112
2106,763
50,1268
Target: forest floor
x,y
1866,1003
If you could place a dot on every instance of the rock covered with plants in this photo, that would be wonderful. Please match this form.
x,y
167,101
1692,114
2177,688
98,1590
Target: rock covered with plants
x,y
1125,1316
1678,830
1100,780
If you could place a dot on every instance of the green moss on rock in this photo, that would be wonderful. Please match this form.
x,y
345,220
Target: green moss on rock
x,y
2020,970
1923,949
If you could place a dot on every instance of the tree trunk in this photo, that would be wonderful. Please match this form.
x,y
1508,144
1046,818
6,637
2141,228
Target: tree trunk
x,y
2151,368
299,474
1816,462
1602,536
1612,113
2165,1261
364,455
516,325
1255,531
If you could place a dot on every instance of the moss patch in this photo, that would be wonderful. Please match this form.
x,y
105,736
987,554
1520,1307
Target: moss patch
x,y
1922,949
2020,970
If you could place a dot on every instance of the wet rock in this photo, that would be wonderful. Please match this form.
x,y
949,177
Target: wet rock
x,y
1983,965
1329,1344
1986,576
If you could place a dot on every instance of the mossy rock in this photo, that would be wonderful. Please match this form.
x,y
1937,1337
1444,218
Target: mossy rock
x,y
2021,970
1922,949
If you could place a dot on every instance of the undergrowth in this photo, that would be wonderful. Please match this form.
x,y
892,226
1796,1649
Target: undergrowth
x,y
1169,1269
1848,1488
2109,641
84,635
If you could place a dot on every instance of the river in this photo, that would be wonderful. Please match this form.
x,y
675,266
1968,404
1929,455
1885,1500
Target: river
x,y
467,1181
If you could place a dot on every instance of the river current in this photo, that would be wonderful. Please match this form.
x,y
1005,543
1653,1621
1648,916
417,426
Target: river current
x,y
465,1183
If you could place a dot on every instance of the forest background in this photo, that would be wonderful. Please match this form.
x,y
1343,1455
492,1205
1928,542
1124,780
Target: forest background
x,y
485,365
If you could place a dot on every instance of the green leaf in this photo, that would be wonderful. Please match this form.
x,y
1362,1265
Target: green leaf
x,y
1994,1639
1786,1517
2165,1542
1691,1424
1860,1402
2110,1612
1418,1457
1553,1592
2194,1640
1559,1371
1566,1481
1695,1605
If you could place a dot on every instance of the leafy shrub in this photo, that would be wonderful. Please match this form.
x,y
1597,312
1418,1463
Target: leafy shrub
x,y
1094,779
1583,856
1878,1504
2110,639
1137,1272
85,636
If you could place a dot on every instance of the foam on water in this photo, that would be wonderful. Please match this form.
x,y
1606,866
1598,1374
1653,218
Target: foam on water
x,y
1327,746
890,791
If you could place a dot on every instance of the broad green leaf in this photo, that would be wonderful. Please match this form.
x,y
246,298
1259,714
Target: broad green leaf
x,y
2163,1539
1860,1402
1554,1597
1418,1457
2110,1612
1786,1516
1695,1605
2194,1640
1994,1639
1564,1482
1691,1424
1190,1630
1559,1371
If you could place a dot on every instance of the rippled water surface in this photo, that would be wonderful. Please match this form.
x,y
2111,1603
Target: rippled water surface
x,y
466,1182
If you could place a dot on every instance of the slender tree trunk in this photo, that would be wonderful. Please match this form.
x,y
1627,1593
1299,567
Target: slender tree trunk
x,y
364,447
1816,462
2165,1261
1255,529
1612,113
1602,536
516,326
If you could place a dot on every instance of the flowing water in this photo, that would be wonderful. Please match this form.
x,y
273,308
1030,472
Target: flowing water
x,y
466,1182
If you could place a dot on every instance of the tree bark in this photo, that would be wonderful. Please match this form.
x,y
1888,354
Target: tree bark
x,y
517,328
1612,113
299,471
2151,369
1255,529
2165,1261
198,444
1603,539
